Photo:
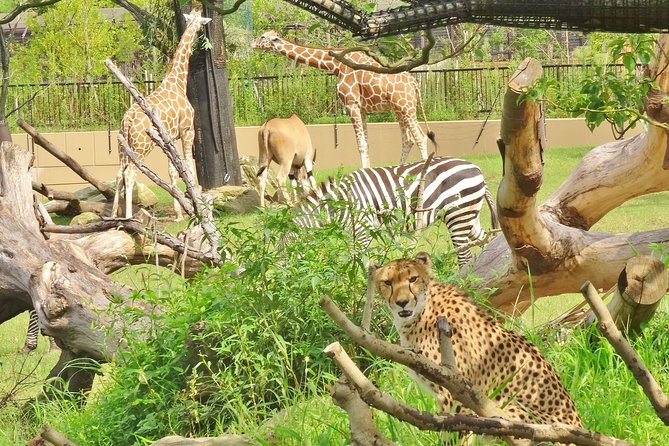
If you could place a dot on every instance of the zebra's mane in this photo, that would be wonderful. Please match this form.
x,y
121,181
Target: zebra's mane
x,y
324,188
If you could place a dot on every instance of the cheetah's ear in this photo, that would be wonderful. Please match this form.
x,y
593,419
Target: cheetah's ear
x,y
424,258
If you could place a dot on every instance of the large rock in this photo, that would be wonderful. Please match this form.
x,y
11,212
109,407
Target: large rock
x,y
141,194
235,199
85,218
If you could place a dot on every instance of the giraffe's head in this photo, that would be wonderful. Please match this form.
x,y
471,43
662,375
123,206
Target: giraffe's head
x,y
267,41
195,17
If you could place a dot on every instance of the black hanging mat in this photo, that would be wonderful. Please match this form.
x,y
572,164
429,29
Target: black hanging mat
x,y
631,16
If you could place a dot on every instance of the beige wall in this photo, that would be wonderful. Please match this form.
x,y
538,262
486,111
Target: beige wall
x,y
455,138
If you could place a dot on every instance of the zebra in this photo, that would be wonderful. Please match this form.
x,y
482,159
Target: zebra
x,y
30,343
453,191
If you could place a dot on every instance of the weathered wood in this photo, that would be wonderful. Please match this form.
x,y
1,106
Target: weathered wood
x,y
65,276
76,207
67,160
551,244
54,437
641,286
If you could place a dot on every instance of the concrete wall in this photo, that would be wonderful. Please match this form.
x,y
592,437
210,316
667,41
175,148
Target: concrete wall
x,y
455,138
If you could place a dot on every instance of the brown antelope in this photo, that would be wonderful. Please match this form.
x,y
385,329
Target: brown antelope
x,y
286,142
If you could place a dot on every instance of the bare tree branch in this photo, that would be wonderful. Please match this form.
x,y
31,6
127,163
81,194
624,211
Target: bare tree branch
x,y
23,7
633,361
560,433
223,11
67,160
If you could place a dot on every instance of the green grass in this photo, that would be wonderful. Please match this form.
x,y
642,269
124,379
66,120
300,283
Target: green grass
x,y
603,389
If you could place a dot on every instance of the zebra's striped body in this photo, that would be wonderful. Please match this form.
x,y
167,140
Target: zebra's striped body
x,y
30,343
453,191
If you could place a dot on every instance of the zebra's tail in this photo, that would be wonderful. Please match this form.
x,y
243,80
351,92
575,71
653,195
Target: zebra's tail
x,y
493,213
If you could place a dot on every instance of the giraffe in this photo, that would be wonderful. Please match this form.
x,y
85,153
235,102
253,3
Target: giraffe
x,y
361,91
169,100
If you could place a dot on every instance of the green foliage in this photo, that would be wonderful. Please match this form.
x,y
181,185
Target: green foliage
x,y
612,92
234,348
70,41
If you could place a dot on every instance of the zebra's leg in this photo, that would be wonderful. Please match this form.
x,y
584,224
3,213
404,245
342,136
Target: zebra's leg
x,y
30,343
52,344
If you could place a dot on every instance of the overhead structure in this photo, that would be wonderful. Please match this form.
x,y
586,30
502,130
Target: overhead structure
x,y
629,16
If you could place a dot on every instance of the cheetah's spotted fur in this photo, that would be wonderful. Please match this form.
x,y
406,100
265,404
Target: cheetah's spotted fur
x,y
486,353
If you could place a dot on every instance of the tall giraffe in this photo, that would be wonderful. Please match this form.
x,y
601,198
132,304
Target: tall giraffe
x,y
361,91
169,100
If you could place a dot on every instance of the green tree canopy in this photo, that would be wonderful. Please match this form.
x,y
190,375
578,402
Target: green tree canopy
x,y
70,41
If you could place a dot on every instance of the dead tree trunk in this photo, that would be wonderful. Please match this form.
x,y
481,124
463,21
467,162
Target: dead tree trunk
x,y
551,243
638,293
64,276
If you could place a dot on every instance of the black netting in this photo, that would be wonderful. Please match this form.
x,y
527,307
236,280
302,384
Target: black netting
x,y
595,15
633,16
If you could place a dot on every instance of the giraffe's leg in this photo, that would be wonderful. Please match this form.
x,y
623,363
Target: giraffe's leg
x,y
117,193
187,137
358,119
407,141
174,177
419,137
129,177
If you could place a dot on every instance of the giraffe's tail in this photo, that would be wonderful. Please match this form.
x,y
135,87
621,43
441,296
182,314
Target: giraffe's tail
x,y
430,134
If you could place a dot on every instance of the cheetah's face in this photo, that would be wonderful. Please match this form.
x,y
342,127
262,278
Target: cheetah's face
x,y
404,285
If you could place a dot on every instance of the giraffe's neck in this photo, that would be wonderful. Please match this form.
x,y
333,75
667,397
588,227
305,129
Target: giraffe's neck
x,y
178,72
314,57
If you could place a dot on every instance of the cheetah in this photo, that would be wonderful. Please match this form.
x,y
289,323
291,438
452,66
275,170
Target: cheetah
x,y
501,363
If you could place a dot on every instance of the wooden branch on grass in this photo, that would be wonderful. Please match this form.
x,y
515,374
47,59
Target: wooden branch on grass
x,y
54,437
132,226
54,194
513,431
369,297
360,416
632,359
70,162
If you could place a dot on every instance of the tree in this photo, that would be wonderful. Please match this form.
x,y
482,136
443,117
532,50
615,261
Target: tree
x,y
70,40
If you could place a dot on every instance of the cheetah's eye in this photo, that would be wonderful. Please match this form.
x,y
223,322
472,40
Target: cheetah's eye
x,y
388,282
412,279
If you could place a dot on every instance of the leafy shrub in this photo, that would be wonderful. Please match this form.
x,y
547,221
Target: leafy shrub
x,y
229,348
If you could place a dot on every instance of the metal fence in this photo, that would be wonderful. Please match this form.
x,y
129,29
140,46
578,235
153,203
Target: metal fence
x,y
453,94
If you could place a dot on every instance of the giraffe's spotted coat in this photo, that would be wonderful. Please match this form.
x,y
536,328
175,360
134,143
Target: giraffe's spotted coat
x,y
361,91
486,353
174,110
